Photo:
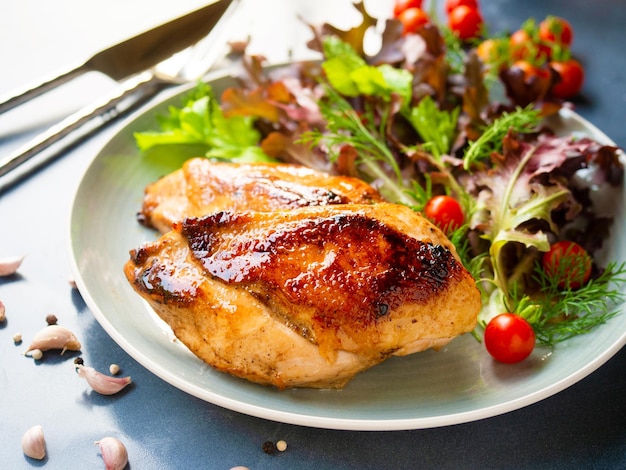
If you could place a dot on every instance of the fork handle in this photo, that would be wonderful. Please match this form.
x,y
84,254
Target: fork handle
x,y
17,97
134,91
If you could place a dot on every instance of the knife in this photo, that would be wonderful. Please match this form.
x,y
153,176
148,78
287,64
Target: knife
x,y
190,64
132,55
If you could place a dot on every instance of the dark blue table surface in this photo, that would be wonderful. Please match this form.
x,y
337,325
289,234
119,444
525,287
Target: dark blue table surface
x,y
583,426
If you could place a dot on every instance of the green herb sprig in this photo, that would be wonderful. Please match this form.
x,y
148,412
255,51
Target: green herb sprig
x,y
558,314
522,120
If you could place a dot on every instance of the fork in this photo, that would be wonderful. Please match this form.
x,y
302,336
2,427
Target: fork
x,y
186,66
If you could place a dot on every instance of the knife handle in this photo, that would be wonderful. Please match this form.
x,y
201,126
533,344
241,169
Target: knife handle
x,y
133,92
16,97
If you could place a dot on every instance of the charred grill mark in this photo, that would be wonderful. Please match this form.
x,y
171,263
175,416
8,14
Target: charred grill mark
x,y
143,219
349,268
301,195
279,191
140,255
160,279
383,309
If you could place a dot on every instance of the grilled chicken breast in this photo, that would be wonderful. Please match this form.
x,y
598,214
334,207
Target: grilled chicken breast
x,y
202,187
306,297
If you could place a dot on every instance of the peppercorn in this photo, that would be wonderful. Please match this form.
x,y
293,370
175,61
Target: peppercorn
x,y
269,447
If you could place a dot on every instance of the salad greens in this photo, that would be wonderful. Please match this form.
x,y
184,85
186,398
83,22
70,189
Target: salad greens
x,y
200,121
415,120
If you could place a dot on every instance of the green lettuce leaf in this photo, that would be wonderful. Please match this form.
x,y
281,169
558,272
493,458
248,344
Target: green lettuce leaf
x,y
201,122
350,75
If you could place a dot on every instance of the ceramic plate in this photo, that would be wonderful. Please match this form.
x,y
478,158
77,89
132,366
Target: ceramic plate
x,y
460,383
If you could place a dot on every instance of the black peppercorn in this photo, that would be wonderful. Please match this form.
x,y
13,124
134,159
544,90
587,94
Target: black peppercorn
x,y
269,447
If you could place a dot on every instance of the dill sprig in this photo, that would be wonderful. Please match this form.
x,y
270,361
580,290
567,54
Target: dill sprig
x,y
559,314
523,120
344,125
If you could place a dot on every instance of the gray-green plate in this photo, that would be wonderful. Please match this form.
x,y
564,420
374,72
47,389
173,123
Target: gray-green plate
x,y
460,383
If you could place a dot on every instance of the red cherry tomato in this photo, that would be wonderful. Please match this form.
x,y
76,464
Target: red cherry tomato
x,y
509,338
571,78
452,4
413,19
465,22
445,212
401,5
557,30
569,263
523,47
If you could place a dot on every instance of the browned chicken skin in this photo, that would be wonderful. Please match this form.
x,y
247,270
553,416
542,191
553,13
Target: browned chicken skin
x,y
202,187
306,297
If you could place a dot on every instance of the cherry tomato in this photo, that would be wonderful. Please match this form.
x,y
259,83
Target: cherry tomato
x,y
401,5
465,22
452,4
413,19
445,212
532,71
571,78
509,338
555,29
487,50
524,47
519,42
569,263
492,51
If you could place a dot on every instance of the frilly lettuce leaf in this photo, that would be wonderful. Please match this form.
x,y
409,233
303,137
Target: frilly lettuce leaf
x,y
519,193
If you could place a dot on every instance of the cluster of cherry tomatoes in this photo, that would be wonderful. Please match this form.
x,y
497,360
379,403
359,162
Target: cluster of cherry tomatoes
x,y
410,14
541,51
464,18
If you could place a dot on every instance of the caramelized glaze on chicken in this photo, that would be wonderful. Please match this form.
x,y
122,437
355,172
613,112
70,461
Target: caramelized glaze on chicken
x,y
307,297
202,187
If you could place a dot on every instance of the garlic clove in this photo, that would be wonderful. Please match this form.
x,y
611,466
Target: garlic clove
x,y
102,383
54,337
114,453
9,266
34,443
3,312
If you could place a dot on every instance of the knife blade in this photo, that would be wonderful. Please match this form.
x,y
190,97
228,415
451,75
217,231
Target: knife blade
x,y
131,56
184,67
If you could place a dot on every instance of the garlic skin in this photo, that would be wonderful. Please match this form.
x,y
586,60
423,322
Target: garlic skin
x,y
9,266
34,443
114,453
55,337
102,383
